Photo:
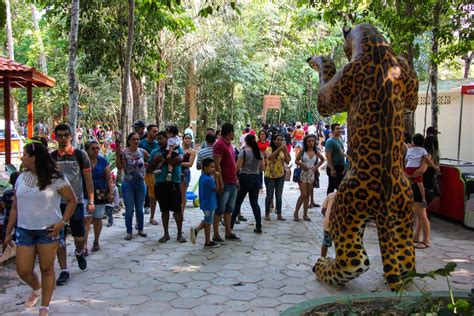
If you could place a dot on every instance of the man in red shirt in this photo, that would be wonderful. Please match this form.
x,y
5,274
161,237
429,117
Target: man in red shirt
x,y
224,158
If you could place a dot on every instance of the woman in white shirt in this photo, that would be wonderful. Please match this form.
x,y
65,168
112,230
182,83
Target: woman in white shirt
x,y
36,213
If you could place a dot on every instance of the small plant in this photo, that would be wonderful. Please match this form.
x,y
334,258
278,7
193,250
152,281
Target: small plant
x,y
425,303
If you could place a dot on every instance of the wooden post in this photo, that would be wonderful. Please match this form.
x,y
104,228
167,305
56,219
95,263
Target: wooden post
x,y
8,130
29,108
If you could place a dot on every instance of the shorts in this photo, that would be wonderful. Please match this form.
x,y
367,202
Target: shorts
x,y
168,195
410,171
31,237
327,239
150,184
299,143
186,176
417,198
226,200
208,217
307,176
76,222
98,213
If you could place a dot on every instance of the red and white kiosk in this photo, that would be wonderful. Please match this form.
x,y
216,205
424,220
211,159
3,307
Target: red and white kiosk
x,y
456,182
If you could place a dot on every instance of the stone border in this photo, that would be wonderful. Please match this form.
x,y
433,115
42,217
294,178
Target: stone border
x,y
305,306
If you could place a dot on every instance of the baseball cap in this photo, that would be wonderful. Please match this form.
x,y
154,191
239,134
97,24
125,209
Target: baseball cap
x,y
432,130
138,124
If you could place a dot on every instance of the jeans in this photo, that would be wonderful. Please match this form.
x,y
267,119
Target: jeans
x,y
249,183
334,182
274,185
226,200
133,193
109,210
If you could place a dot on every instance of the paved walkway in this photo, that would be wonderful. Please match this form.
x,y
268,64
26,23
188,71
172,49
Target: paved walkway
x,y
261,275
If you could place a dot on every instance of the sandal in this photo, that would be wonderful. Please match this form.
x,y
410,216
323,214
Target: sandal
x,y
164,239
142,234
181,239
307,219
422,245
95,247
281,218
296,219
85,252
128,237
154,222
267,218
32,299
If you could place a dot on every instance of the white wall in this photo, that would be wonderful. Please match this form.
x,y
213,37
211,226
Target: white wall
x,y
448,123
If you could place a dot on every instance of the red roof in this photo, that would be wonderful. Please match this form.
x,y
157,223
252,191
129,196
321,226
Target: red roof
x,y
20,74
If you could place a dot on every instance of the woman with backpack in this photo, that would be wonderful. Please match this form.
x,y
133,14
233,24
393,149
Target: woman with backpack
x,y
249,165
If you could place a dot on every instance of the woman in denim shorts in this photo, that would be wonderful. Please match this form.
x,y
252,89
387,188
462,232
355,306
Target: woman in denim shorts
x,y
103,193
189,154
37,215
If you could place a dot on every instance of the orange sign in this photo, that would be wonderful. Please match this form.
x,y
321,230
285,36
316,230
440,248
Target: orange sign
x,y
271,102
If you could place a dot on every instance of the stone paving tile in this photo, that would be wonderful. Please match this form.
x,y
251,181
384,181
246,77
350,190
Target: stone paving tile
x,y
261,275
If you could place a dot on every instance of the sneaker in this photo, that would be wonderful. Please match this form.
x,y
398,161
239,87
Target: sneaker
x,y
236,222
193,234
147,210
258,230
212,244
109,224
63,277
81,261
169,177
232,237
242,219
219,240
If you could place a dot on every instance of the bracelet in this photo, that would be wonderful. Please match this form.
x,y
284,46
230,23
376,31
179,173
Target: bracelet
x,y
64,222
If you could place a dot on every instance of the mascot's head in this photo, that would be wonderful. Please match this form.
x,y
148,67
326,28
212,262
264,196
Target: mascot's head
x,y
361,33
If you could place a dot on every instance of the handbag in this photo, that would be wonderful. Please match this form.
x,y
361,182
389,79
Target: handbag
x,y
297,174
100,196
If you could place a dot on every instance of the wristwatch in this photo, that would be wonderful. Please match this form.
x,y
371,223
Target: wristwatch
x,y
91,203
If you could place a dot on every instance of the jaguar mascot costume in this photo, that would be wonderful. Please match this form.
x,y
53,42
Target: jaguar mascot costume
x,y
376,88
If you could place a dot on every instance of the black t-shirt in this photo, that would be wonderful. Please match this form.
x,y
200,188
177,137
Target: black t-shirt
x,y
287,137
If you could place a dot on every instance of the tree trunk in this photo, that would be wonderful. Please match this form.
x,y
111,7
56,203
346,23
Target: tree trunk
x,y
41,57
409,118
434,65
467,64
159,98
191,92
124,118
171,89
39,38
71,70
139,102
11,55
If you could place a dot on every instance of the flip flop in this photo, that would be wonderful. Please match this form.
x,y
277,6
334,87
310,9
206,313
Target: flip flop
x,y
422,245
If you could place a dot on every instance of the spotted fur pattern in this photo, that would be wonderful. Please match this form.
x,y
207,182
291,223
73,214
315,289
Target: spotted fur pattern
x,y
376,87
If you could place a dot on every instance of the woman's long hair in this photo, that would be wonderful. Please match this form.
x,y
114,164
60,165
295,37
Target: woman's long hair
x,y
252,143
305,143
432,147
272,142
46,168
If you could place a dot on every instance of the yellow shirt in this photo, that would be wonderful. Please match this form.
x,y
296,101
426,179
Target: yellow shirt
x,y
275,168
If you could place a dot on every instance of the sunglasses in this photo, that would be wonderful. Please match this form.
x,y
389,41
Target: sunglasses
x,y
66,135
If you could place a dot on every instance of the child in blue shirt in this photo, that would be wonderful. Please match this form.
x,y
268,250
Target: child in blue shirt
x,y
208,188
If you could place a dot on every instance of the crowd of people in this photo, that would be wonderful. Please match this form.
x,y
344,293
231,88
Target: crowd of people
x,y
71,187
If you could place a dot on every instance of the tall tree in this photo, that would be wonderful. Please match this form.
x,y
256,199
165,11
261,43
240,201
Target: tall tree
x,y
124,118
11,55
71,70
39,39
434,63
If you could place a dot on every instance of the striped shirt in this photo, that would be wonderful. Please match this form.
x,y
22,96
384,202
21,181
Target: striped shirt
x,y
204,153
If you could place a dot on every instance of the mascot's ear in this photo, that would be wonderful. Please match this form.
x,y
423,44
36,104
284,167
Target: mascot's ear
x,y
346,30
